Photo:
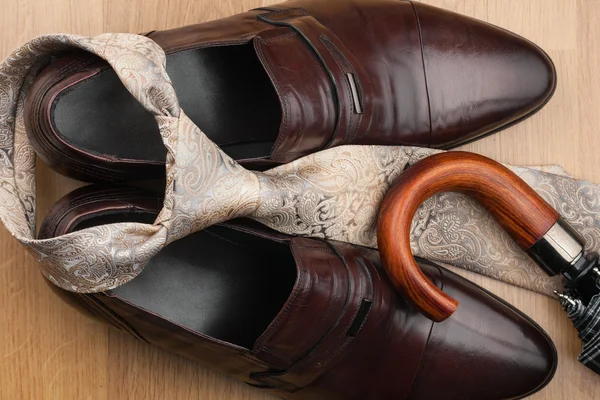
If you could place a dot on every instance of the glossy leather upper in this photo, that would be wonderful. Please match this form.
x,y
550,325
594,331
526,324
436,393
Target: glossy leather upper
x,y
487,350
385,72
344,332
479,77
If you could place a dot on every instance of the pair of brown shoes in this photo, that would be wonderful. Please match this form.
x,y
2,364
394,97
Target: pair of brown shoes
x,y
301,318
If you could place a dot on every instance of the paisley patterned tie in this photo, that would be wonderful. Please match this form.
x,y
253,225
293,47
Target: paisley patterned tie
x,y
333,194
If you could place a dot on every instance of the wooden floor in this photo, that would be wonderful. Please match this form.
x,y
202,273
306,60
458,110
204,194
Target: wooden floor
x,y
48,351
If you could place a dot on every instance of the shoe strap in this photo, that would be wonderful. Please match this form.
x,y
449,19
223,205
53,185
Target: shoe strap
x,y
349,81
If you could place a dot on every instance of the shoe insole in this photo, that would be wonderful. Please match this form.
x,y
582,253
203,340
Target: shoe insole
x,y
224,90
220,282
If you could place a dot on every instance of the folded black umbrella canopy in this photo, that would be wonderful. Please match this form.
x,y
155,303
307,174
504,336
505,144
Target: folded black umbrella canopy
x,y
586,319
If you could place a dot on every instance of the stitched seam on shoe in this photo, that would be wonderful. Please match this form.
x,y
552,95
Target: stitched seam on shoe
x,y
287,10
302,13
329,356
361,261
337,55
273,353
328,43
424,71
193,46
274,38
316,248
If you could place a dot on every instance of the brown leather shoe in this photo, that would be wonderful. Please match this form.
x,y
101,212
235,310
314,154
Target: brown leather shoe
x,y
304,318
276,83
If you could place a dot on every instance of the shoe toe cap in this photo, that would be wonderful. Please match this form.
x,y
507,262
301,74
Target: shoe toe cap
x,y
486,350
480,78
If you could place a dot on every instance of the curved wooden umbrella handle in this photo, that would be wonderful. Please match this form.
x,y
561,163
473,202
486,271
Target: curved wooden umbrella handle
x,y
515,205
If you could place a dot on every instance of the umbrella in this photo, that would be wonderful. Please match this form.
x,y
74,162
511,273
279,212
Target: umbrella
x,y
586,319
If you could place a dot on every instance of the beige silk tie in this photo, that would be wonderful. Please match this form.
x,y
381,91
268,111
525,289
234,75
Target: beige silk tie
x,y
333,194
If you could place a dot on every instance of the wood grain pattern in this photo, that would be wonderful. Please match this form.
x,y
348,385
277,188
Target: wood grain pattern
x,y
48,351
523,214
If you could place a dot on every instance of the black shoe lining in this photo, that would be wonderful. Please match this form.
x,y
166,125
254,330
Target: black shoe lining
x,y
224,90
221,282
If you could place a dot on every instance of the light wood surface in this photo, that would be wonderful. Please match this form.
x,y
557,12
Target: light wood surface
x,y
48,351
